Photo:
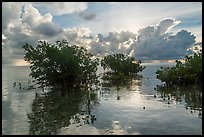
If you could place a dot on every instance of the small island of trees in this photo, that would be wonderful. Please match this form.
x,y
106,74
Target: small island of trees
x,y
187,73
120,67
61,65
121,63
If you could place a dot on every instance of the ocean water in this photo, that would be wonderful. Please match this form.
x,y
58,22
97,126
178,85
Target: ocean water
x,y
134,109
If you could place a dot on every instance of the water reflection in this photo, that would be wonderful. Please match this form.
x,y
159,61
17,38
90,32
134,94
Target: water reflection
x,y
112,80
75,114
52,111
191,96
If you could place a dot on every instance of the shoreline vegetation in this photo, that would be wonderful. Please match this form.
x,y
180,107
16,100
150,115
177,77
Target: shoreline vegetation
x,y
65,66
61,65
183,73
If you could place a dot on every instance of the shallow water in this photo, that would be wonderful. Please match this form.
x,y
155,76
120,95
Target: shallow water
x,y
130,110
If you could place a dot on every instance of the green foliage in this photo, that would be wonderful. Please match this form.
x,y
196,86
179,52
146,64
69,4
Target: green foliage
x,y
61,64
121,63
186,73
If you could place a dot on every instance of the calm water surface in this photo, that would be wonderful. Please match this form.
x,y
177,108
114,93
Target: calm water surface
x,y
137,108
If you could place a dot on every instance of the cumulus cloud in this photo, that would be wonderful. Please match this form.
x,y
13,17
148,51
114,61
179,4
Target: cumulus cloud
x,y
154,43
114,42
61,8
32,16
166,25
10,13
27,27
77,36
15,39
10,19
30,26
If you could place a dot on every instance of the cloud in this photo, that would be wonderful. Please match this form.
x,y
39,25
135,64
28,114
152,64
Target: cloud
x,y
32,16
197,47
77,36
28,25
114,42
15,39
3,39
61,8
154,43
166,25
10,13
48,29
198,44
113,2
10,22
87,16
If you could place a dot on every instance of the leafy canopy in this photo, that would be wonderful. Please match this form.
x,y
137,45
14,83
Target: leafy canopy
x,y
121,63
187,73
61,64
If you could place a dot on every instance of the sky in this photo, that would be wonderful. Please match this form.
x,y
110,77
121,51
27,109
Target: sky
x,y
144,30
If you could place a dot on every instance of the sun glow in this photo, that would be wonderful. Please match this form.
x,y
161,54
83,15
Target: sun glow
x,y
20,62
